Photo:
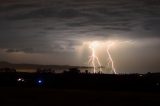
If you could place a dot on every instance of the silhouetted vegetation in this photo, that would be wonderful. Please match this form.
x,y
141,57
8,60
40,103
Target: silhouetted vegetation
x,y
7,70
75,80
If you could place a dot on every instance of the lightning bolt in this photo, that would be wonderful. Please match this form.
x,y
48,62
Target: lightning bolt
x,y
93,59
110,60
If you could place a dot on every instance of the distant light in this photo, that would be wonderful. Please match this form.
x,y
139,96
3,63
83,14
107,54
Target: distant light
x,y
20,79
40,81
141,75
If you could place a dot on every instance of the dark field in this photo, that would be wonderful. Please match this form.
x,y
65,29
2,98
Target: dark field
x,y
70,97
79,89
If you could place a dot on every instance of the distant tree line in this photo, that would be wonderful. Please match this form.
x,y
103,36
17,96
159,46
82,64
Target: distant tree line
x,y
7,70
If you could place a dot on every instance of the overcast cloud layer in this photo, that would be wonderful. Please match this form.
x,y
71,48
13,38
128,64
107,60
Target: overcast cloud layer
x,y
59,24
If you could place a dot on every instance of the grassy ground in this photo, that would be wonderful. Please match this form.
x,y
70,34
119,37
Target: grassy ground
x,y
59,97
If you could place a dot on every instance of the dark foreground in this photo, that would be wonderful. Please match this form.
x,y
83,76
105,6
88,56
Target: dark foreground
x,y
79,89
68,97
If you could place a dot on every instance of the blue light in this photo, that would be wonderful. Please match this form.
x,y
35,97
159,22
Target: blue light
x,y
40,81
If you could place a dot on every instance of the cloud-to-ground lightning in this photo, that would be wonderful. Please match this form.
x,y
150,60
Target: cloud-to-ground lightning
x,y
106,46
110,60
93,59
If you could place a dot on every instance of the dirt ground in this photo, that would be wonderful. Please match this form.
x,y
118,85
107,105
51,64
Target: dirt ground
x,y
70,97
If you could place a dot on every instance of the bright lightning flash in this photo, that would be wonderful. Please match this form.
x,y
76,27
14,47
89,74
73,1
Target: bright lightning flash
x,y
110,60
93,59
106,45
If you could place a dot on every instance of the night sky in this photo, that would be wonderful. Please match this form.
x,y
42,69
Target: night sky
x,y
54,31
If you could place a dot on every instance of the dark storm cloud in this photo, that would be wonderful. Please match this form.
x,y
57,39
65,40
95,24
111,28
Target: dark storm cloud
x,y
26,50
12,50
47,25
